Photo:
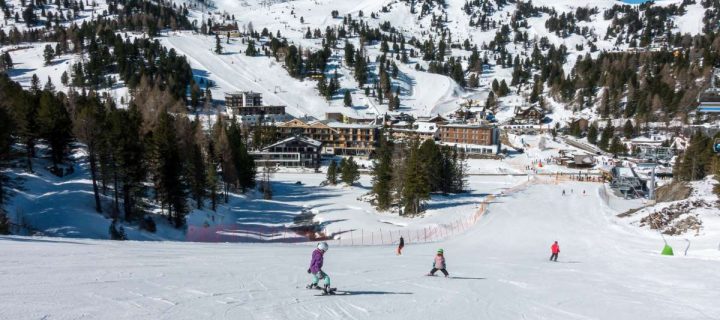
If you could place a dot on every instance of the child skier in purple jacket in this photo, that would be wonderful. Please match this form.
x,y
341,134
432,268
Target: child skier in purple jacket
x,y
315,269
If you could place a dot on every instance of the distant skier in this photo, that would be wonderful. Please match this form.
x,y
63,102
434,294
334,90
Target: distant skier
x,y
555,248
439,264
401,246
563,192
315,269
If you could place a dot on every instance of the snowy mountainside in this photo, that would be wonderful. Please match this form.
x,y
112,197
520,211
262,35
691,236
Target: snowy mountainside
x,y
420,92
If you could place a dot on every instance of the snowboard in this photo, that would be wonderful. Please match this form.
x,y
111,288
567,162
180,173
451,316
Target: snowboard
x,y
331,291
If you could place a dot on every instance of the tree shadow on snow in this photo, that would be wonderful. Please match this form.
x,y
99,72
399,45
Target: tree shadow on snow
x,y
40,240
16,72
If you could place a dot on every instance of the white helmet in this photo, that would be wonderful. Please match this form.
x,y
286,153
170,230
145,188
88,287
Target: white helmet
x,y
323,246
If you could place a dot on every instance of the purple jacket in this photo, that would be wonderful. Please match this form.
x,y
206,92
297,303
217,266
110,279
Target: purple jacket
x,y
317,261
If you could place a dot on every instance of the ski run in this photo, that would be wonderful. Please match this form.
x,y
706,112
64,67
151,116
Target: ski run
x,y
606,270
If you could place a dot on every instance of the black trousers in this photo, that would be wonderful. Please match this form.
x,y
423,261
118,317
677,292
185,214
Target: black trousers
x,y
554,257
432,272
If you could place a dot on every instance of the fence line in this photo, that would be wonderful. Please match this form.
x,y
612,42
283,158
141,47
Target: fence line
x,y
358,237
426,234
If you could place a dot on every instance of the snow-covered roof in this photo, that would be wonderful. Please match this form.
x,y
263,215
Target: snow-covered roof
x,y
303,139
336,124
426,127
465,125
238,93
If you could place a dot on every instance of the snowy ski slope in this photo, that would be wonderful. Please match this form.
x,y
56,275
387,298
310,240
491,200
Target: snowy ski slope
x,y
606,270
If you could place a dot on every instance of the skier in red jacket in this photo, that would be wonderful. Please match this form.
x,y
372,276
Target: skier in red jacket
x,y
555,248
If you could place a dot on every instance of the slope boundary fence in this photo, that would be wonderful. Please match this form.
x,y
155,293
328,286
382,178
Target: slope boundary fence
x,y
379,237
258,233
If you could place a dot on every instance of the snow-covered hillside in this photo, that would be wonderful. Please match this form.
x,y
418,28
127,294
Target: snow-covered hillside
x,y
421,92
606,270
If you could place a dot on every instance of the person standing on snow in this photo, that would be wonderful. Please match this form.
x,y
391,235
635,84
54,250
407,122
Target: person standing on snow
x,y
401,246
439,264
555,249
315,269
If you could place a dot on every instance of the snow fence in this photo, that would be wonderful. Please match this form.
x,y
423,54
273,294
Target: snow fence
x,y
360,237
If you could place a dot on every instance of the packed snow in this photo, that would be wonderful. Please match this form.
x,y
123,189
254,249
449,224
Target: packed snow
x,y
500,270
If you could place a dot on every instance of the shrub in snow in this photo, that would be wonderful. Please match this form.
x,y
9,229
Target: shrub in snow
x,y
147,223
117,233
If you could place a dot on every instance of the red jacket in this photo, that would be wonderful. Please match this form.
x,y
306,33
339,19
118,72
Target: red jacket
x,y
555,248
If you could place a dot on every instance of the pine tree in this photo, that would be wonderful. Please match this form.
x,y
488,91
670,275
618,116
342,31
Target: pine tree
x,y
7,128
491,103
415,184
26,110
460,167
127,164
504,90
607,134
617,147
212,175
224,155
197,172
54,125
251,51
322,87
6,62
218,46
341,167
473,82
383,173
396,101
35,84
88,128
349,173
432,162
361,73
628,129
349,54
49,86
48,54
332,173
592,134
347,99
696,162
168,166
244,163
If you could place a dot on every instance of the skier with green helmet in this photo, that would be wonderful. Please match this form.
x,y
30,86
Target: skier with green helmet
x,y
439,264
